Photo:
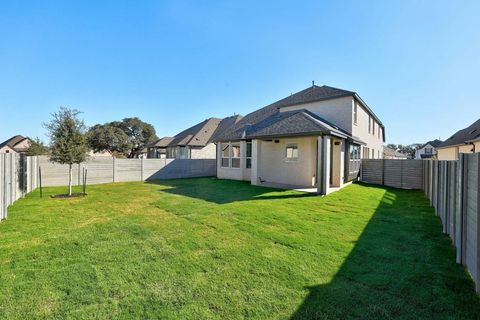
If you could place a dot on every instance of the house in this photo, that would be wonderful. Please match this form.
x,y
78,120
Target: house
x,y
466,140
196,142
16,144
428,150
158,149
313,138
389,153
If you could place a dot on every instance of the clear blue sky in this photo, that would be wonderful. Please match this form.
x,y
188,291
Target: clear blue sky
x,y
175,63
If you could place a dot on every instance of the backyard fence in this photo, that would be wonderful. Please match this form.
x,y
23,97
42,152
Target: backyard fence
x,y
453,190
19,174
405,174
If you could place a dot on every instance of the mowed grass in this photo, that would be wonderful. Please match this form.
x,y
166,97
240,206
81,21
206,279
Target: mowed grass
x,y
216,249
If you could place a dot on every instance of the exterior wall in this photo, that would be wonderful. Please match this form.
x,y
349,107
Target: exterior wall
x,y
207,152
242,173
421,151
22,145
337,111
7,149
451,153
374,141
273,168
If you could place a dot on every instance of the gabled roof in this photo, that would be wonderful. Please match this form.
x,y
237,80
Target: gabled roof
x,y
13,141
393,153
202,133
434,143
469,134
161,143
310,94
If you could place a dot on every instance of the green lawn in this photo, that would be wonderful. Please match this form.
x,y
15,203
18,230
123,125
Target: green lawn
x,y
207,248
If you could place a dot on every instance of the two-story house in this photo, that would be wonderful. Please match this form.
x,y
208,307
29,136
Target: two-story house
x,y
314,138
428,150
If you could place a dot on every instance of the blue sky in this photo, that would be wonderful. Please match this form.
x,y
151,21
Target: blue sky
x,y
175,63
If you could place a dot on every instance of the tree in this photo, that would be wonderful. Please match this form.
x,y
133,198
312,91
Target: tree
x,y
68,143
37,148
107,137
127,136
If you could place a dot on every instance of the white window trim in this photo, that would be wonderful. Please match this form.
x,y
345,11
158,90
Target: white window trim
x,y
285,154
231,156
222,157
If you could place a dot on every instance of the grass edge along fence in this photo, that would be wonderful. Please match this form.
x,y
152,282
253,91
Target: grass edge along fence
x,y
19,173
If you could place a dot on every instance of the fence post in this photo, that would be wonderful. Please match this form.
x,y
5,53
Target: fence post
x,y
113,169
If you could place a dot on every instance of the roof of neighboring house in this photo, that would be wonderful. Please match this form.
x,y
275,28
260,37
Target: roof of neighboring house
x,y
161,143
310,94
468,134
393,153
13,141
202,133
434,143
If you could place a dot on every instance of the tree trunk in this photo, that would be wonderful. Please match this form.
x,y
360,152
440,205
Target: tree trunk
x,y
70,179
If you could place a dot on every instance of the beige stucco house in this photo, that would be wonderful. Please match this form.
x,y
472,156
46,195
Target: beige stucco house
x,y
314,138
16,144
196,142
466,140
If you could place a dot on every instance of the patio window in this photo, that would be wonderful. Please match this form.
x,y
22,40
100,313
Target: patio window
x,y
225,155
291,152
235,155
248,158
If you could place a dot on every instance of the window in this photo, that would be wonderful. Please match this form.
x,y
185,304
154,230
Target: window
x,y
379,131
373,153
291,152
225,155
248,163
354,152
355,113
373,127
428,150
366,153
378,154
235,155
369,124
182,153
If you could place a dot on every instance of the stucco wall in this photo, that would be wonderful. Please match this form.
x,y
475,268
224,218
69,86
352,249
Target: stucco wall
x,y
360,130
451,153
207,152
273,168
241,173
7,149
421,151
337,111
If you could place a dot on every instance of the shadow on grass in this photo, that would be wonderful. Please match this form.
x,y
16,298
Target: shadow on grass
x,y
224,191
401,267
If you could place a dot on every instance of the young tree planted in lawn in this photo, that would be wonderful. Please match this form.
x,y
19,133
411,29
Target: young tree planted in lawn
x,y
68,140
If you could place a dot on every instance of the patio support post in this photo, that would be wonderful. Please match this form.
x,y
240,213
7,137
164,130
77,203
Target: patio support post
x,y
255,161
323,165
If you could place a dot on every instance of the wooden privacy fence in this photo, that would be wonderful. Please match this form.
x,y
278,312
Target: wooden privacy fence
x,y
453,190
405,174
19,174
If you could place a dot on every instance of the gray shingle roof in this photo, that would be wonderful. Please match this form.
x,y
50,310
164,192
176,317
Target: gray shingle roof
x,y
393,153
310,94
469,134
13,141
161,143
202,133
434,143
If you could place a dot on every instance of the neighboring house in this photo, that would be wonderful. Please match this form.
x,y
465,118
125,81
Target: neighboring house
x,y
196,141
158,149
389,153
428,150
16,144
463,141
313,138
104,153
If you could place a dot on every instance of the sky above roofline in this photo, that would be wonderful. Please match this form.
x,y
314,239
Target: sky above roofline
x,y
176,63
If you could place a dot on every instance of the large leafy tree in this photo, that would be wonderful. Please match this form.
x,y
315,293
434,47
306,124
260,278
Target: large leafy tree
x,y
37,148
107,137
68,143
127,136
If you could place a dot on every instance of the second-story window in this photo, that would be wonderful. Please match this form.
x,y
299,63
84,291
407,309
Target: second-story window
x,y
369,124
373,127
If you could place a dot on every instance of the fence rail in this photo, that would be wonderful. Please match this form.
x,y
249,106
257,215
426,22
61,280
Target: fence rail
x,y
19,174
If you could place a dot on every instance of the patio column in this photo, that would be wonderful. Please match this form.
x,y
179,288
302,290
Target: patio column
x,y
255,162
323,164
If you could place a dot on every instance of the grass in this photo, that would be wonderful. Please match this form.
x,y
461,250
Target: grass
x,y
215,249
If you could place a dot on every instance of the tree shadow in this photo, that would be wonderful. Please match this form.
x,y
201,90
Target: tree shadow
x,y
401,267
220,191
